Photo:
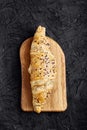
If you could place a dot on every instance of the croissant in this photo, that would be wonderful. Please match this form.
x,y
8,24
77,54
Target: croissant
x,y
42,69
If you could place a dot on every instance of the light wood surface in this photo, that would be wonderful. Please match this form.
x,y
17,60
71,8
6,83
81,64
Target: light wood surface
x,y
57,101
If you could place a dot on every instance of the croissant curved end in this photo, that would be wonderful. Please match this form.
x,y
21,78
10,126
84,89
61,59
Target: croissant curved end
x,y
37,109
40,31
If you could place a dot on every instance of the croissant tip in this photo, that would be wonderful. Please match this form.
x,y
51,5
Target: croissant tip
x,y
41,29
37,109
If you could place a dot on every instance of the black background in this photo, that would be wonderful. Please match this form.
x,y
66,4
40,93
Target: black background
x,y
66,22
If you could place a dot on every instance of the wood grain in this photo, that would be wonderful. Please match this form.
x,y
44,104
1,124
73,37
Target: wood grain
x,y
57,101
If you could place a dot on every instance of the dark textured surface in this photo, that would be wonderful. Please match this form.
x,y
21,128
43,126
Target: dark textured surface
x,y
66,22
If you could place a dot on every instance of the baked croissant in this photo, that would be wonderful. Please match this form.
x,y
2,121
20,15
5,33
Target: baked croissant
x,y
42,69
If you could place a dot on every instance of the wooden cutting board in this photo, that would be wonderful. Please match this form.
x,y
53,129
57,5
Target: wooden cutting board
x,y
57,101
